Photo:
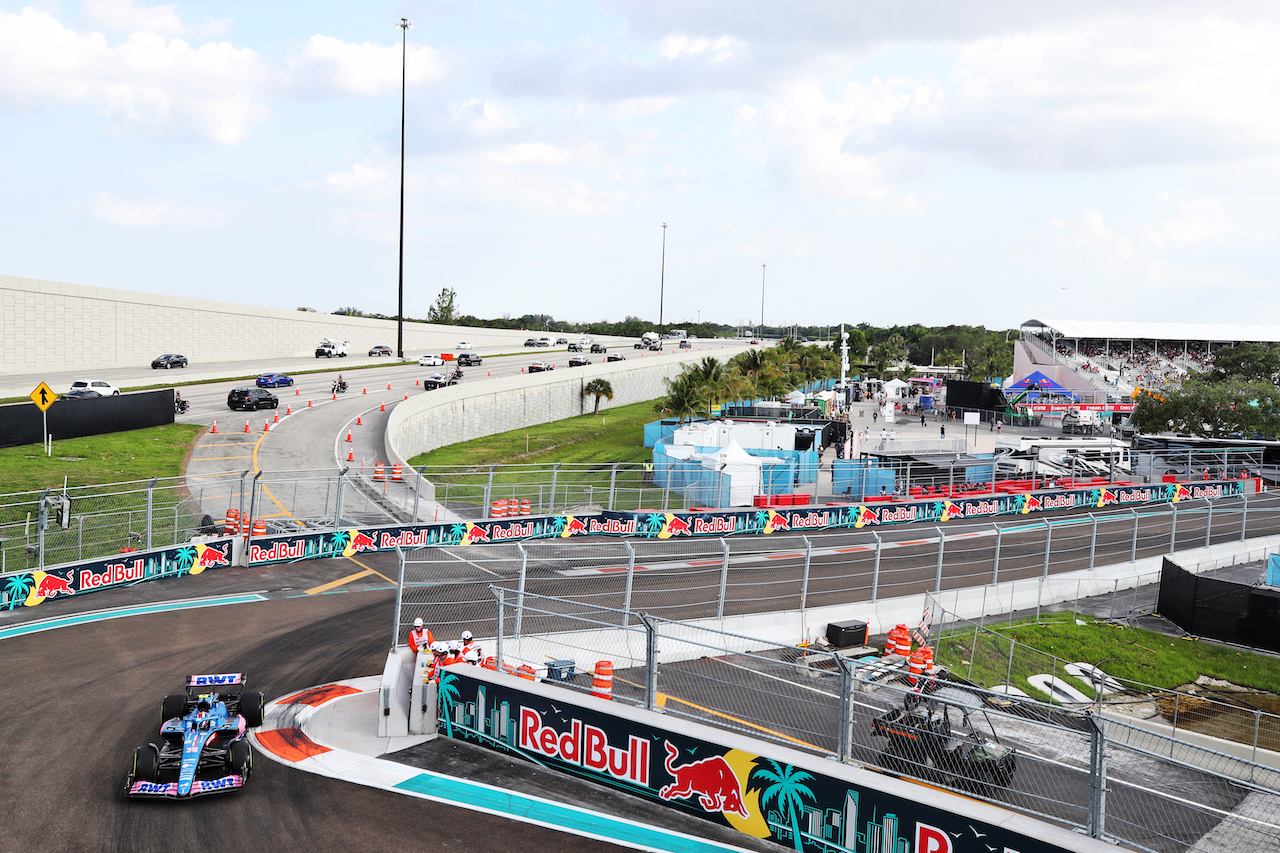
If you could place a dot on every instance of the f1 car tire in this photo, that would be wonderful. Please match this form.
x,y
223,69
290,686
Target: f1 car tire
x,y
174,705
146,764
240,757
251,704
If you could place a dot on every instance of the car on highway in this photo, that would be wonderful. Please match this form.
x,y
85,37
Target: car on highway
x,y
465,345
656,346
80,394
469,359
437,380
104,388
202,747
599,348
168,360
273,380
380,349
252,399
560,341
540,367
685,344
431,361
754,342
615,356
578,361
531,342
575,347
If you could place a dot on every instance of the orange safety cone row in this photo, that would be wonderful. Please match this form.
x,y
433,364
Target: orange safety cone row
x,y
215,427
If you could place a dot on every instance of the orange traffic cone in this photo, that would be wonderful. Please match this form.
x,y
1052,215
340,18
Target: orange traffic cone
x,y
417,382
366,390
266,426
276,419
522,368
297,391
384,406
348,435
288,410
406,396
335,395
358,421
308,402
215,427
246,424
488,373
388,386
351,455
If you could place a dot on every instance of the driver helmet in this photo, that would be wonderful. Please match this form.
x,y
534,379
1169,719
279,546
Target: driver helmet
x,y
206,702
466,636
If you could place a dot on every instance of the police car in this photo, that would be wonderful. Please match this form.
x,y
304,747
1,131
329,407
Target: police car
x,y
203,749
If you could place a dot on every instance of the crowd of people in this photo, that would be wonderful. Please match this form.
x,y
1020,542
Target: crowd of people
x,y
465,649
1136,364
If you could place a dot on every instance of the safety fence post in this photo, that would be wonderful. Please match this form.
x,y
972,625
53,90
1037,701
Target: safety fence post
x,y
395,625
254,491
1173,526
337,501
488,493
42,521
524,562
804,587
1093,539
242,476
613,481
1048,543
995,566
942,544
875,569
417,492
151,493
555,473
1133,549
844,738
1208,524
1244,514
650,662
1097,777
724,576
497,640
631,573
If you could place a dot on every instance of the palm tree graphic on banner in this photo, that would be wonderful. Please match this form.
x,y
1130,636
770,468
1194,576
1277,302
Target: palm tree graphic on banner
x,y
456,533
184,558
338,540
446,698
781,785
653,524
17,589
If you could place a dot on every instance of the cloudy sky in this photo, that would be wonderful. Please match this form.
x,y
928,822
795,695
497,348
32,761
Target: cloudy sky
x,y
890,162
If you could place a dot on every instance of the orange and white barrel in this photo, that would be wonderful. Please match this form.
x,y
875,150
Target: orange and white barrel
x,y
396,472
499,509
527,671
232,525
915,666
526,506
259,527
602,680
379,475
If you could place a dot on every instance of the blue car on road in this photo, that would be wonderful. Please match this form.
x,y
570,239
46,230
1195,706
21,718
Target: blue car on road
x,y
203,749
274,380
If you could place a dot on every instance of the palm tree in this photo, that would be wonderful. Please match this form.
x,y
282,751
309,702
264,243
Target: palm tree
x,y
598,388
681,400
784,790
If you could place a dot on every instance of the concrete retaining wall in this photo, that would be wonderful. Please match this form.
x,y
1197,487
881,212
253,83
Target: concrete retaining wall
x,y
460,413
49,325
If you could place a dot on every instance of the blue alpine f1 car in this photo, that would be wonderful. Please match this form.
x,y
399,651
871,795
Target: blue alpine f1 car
x,y
203,748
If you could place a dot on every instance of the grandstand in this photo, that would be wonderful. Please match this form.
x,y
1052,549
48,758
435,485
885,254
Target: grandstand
x,y
1108,361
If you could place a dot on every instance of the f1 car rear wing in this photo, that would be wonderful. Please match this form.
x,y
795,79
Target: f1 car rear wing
x,y
218,682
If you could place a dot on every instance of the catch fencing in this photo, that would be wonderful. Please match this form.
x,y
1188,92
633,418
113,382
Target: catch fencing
x,y
1074,767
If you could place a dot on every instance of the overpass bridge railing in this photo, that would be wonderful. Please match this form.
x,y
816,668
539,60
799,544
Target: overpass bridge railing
x,y
1075,767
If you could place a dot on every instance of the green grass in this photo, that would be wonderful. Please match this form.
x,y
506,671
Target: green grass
x,y
138,454
614,435
1131,653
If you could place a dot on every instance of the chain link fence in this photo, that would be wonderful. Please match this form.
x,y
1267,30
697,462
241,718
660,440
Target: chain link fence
x,y
1111,779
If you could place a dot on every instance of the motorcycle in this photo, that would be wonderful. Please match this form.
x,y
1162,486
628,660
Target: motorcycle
x,y
180,405
339,387
457,374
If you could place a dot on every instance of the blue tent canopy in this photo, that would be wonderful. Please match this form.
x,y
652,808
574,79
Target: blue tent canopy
x,y
1043,383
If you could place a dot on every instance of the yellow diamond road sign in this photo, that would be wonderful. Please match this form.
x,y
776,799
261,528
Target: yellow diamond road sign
x,y
43,397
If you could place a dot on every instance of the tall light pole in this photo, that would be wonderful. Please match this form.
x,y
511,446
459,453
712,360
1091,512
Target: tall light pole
x,y
404,26
662,277
762,266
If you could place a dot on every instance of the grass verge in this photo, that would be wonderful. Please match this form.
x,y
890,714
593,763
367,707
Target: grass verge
x,y
138,454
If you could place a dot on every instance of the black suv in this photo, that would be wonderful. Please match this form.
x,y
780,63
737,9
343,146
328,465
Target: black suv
x,y
575,347
685,344
252,398
598,348
469,359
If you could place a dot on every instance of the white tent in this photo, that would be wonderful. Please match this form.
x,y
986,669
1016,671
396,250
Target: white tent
x,y
896,389
742,470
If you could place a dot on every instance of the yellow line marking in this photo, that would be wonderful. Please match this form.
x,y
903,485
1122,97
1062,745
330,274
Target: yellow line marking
x,y
349,578
316,590
664,698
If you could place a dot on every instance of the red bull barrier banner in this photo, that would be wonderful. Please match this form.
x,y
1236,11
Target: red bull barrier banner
x,y
759,521
28,589
786,797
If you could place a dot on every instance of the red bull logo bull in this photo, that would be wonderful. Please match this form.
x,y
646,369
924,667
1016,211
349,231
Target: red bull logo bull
x,y
1106,496
950,511
1181,493
361,542
778,521
711,780
476,533
211,556
865,515
676,526
51,585
574,527
1030,503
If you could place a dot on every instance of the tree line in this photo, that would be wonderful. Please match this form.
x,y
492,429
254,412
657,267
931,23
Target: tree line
x,y
1236,397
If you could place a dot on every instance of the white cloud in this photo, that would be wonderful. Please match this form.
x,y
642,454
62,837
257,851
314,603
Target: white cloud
x,y
1196,221
327,65
148,213
122,16
362,178
717,50
483,118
